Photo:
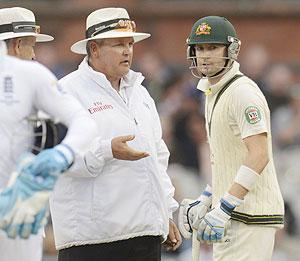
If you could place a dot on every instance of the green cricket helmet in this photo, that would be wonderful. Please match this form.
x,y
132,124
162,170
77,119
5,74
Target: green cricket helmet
x,y
213,30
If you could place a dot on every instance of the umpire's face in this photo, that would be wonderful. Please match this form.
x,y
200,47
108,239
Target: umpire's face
x,y
113,57
22,47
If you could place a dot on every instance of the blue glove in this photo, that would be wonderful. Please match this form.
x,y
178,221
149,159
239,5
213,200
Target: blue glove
x,y
27,216
24,203
213,226
52,161
15,206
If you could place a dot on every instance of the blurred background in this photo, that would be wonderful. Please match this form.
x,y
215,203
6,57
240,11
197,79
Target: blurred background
x,y
269,55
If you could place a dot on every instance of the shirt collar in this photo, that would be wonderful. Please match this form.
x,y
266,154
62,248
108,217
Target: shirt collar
x,y
208,89
131,79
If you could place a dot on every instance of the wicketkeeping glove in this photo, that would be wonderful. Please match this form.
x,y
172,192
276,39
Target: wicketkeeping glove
x,y
26,216
191,212
52,162
21,198
24,203
212,227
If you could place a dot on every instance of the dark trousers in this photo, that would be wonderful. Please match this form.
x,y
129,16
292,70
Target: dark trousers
x,y
146,248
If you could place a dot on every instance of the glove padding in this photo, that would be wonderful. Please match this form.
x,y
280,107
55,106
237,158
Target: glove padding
x,y
191,212
213,226
24,203
27,216
52,161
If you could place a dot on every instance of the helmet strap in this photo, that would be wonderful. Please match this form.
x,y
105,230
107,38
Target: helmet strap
x,y
221,71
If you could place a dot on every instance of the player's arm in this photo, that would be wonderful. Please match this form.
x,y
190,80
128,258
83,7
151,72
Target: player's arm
x,y
255,162
51,98
59,105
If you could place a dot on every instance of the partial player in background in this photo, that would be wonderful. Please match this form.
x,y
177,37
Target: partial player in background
x,y
19,30
247,206
27,87
115,209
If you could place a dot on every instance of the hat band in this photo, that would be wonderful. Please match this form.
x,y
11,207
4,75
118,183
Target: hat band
x,y
20,27
121,24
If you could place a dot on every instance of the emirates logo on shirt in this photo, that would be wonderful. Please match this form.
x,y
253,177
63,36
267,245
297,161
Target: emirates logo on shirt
x,y
99,106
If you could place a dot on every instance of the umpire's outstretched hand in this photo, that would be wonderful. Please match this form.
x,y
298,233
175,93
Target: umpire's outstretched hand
x,y
122,151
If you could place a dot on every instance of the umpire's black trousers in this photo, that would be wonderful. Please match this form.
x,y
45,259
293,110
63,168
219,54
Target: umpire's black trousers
x,y
146,248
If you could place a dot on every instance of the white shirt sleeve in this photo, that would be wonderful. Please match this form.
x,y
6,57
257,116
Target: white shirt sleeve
x,y
51,99
248,111
93,161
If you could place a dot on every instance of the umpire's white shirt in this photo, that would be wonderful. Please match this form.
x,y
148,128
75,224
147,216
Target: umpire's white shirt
x,y
112,199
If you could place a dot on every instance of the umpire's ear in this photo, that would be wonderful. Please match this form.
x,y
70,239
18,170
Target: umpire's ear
x,y
93,49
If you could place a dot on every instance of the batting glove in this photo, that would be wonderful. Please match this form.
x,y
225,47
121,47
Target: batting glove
x,y
212,227
191,212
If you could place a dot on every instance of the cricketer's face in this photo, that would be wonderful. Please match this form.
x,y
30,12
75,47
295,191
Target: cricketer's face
x,y
115,57
210,58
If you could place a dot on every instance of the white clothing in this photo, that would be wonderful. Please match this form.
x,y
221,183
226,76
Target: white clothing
x,y
113,199
18,249
245,243
241,111
26,87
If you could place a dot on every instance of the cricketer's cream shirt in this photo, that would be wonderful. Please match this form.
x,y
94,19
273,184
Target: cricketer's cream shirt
x,y
229,126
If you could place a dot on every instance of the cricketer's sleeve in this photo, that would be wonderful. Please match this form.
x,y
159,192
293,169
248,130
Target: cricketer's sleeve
x,y
248,112
59,105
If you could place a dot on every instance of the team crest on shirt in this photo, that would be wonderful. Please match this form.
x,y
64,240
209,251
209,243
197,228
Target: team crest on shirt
x,y
8,96
252,114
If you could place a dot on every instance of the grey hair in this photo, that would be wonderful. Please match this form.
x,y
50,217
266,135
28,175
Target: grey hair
x,y
88,45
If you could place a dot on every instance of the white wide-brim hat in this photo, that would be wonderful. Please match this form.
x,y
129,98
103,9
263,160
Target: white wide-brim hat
x,y
19,22
108,23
